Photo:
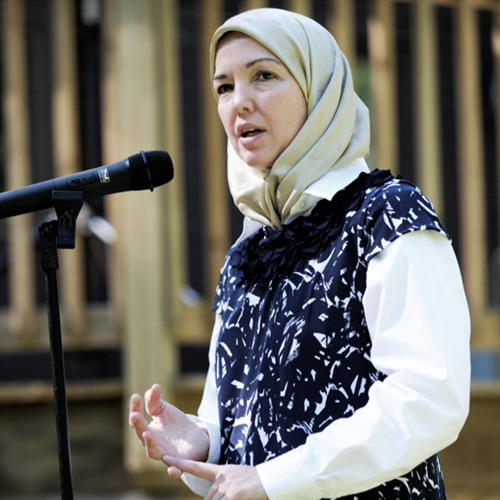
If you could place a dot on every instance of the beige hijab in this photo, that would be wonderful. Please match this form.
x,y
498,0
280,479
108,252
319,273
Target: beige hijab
x,y
335,134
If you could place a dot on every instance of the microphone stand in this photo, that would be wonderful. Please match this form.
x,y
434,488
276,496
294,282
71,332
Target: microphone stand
x,y
56,234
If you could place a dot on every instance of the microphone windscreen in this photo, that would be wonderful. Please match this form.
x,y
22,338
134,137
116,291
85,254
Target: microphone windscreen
x,y
149,169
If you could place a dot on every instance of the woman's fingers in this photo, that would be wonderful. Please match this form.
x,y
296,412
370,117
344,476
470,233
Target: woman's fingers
x,y
154,404
199,469
136,417
174,472
135,404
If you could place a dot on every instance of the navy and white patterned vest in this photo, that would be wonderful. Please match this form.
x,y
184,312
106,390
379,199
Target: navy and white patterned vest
x,y
293,353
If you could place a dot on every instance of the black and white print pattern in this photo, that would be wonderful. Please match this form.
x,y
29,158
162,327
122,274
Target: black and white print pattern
x,y
293,353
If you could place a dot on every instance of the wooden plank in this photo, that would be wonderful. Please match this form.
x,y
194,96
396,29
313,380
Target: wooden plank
x,y
303,7
65,100
174,138
17,144
111,152
382,74
215,178
135,56
41,392
253,4
471,160
342,26
428,162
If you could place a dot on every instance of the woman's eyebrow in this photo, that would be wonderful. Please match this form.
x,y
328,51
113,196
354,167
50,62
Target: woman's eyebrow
x,y
260,59
249,64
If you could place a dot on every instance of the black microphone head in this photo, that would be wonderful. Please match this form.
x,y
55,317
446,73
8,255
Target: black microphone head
x,y
149,169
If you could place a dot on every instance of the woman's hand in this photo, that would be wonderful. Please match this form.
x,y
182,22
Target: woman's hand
x,y
170,431
229,482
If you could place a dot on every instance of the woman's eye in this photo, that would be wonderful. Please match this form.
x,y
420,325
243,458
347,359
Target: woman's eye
x,y
265,75
222,89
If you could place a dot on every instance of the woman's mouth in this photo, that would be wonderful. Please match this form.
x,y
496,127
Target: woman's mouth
x,y
251,132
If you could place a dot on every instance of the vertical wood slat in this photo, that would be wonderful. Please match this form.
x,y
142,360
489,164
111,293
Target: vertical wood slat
x,y
134,55
303,7
21,265
176,266
214,168
67,155
253,4
382,75
111,152
427,126
342,26
471,160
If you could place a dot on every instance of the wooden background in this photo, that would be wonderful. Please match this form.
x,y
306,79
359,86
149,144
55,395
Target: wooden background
x,y
90,82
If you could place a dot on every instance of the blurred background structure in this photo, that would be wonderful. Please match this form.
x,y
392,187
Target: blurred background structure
x,y
90,82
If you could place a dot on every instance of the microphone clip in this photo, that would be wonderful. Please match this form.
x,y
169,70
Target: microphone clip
x,y
67,205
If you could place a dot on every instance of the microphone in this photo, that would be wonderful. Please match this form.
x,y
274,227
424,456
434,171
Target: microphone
x,y
144,170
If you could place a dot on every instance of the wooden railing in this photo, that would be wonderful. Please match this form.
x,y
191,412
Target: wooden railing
x,y
145,100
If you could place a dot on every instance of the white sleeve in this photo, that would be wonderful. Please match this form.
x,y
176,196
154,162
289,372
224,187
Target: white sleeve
x,y
208,416
418,320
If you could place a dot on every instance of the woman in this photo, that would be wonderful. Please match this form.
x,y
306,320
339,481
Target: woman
x,y
339,362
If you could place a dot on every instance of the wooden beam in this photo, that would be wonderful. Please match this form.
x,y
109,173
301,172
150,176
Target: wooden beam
x,y
343,27
66,129
382,71
428,162
111,146
303,7
174,140
17,143
135,57
471,160
214,168
253,4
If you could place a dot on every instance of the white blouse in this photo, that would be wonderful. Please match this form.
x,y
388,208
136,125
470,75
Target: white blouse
x,y
418,320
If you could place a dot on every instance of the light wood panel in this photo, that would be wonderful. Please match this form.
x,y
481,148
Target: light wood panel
x,y
172,125
143,274
67,156
471,160
17,143
214,165
303,7
428,138
382,77
342,26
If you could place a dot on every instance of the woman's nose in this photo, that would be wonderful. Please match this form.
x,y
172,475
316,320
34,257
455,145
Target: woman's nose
x,y
242,99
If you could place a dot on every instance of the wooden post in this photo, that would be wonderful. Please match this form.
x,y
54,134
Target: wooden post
x,y
253,4
216,192
111,145
67,155
471,160
303,7
134,56
174,140
17,142
382,65
427,126
342,26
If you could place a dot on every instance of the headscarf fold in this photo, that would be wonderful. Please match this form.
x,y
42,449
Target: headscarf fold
x,y
335,134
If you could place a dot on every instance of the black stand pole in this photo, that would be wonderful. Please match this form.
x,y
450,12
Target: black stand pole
x,y
56,234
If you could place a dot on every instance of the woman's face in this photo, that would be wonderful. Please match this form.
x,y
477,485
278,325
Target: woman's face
x,y
260,104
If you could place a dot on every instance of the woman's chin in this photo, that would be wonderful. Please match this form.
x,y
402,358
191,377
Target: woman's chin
x,y
256,163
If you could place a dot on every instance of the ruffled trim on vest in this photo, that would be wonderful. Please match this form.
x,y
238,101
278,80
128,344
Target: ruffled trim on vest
x,y
272,254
